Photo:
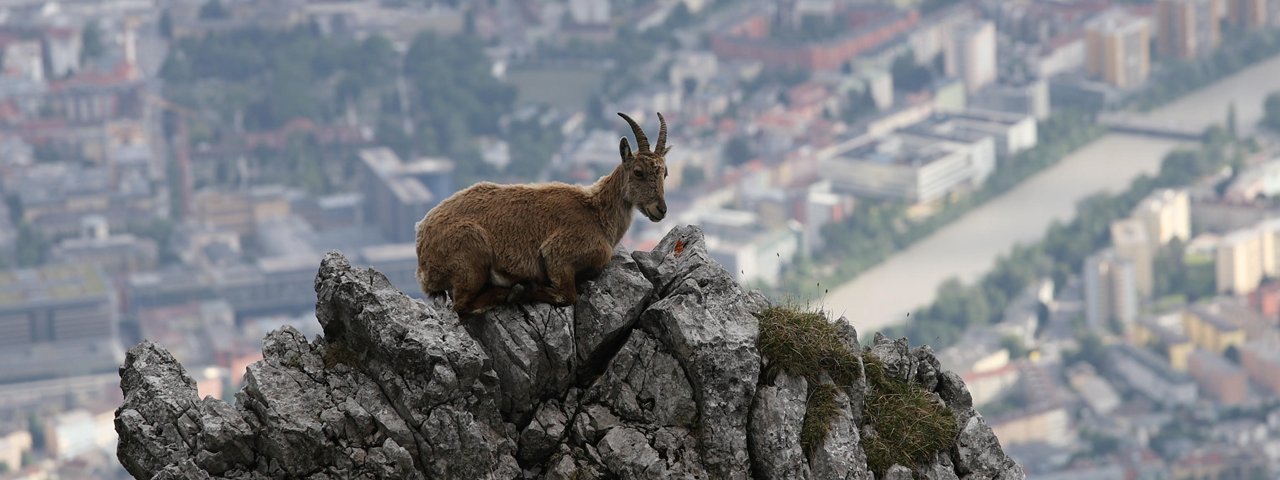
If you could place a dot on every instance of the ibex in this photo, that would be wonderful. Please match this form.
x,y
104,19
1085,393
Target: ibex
x,y
484,244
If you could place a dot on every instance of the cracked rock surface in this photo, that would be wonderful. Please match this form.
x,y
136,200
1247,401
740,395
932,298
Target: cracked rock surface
x,y
654,373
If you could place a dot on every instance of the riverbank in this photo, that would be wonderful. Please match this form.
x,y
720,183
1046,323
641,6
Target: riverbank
x,y
907,280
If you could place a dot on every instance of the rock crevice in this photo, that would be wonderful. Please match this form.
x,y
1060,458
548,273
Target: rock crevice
x,y
654,373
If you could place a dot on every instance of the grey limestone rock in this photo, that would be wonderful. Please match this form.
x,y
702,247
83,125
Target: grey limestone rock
x,y
654,373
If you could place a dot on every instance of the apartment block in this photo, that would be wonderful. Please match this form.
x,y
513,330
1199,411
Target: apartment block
x,y
911,167
1130,240
971,54
1211,329
398,194
1187,28
1238,267
1110,289
1262,362
1217,377
1166,214
1253,14
1117,47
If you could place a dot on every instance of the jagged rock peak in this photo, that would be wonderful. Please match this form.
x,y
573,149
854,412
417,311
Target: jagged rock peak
x,y
655,373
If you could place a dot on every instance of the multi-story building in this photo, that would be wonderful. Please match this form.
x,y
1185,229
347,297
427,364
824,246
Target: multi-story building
x,y
971,54
1211,330
1166,214
56,320
1029,97
868,27
1110,289
911,167
1217,377
1130,240
1253,14
1261,360
55,198
1239,263
1167,336
1012,133
1150,375
1117,49
398,194
1187,28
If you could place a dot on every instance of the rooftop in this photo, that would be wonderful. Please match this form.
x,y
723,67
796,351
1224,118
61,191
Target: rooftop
x,y
55,283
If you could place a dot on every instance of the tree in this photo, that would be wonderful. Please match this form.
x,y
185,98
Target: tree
x,y
91,41
214,10
1271,111
1231,121
1232,353
36,428
908,76
692,176
166,25
738,151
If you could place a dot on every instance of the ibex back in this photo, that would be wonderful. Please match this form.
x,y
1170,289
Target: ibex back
x,y
488,242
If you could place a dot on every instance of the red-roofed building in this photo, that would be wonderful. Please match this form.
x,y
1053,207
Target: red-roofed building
x,y
869,27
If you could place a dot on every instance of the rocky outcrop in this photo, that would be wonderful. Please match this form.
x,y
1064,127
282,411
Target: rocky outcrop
x,y
655,373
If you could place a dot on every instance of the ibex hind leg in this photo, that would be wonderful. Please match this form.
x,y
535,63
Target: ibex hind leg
x,y
470,264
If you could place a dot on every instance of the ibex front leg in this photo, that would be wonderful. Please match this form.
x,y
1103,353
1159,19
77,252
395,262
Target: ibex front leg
x,y
563,261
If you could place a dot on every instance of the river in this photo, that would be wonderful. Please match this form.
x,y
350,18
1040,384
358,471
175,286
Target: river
x,y
969,246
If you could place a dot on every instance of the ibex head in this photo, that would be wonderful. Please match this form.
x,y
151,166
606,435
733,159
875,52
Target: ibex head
x,y
645,170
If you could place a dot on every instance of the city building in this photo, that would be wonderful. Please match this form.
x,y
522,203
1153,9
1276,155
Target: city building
x,y
1152,376
1253,14
1030,97
1187,28
116,254
1117,49
1099,395
1266,301
240,212
867,27
1261,359
749,252
1130,240
1013,133
1049,424
57,320
55,197
911,167
398,194
1110,290
1166,334
971,54
1257,181
1211,328
1166,214
1218,378
13,447
1239,264
77,432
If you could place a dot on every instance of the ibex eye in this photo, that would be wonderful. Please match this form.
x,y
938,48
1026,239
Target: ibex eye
x,y
639,173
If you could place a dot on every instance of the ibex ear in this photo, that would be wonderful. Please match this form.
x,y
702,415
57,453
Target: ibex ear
x,y
665,150
624,149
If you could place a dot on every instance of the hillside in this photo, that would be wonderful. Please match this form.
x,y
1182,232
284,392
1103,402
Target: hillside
x,y
666,368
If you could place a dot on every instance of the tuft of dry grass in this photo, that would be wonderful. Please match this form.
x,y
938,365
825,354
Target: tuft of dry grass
x,y
804,343
821,410
911,427
337,352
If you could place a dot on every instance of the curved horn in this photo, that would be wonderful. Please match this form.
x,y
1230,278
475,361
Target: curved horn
x,y
662,135
642,142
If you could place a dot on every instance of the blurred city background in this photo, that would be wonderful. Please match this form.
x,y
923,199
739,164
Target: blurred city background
x,y
1072,201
